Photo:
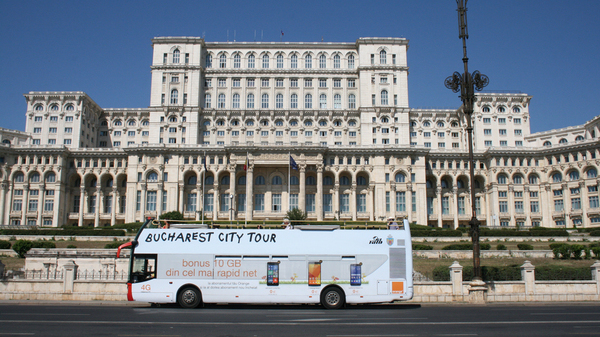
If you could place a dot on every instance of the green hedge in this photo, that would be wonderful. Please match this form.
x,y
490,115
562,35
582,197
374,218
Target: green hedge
x,y
595,233
501,247
532,232
5,244
68,231
466,246
551,273
115,244
131,227
576,251
21,247
418,246
435,233
524,246
505,273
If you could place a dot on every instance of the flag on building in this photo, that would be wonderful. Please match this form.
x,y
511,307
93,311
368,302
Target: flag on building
x,y
293,164
246,164
205,168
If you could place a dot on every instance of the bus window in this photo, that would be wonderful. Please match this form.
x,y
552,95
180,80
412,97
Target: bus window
x,y
273,273
144,267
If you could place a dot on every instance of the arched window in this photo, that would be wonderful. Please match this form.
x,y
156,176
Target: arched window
x,y
361,181
485,109
279,61
351,62
264,122
251,61
460,183
152,177
131,122
176,55
294,61
322,61
533,179
173,119
294,180
352,123
556,178
294,101
293,122
208,61
250,101
145,123
579,138
592,173
337,101
308,62
279,122
384,120
323,101
428,184
308,101
237,61
109,182
225,180
344,180
518,179
39,107
382,57
221,101
235,104
35,178
310,180
222,61
174,96
445,183
118,122
260,180
501,109
124,183
322,122
400,178
242,180
502,179
547,143
308,122
563,141
265,61
70,107
516,109
209,180
573,175
19,177
384,97
327,180
93,182
276,180
351,101
54,107
249,122
192,180
336,62
426,124
440,124
265,101
51,177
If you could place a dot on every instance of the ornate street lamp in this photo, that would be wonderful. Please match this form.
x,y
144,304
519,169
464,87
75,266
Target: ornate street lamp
x,y
467,83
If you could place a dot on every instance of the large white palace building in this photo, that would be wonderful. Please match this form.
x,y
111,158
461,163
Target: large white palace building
x,y
225,118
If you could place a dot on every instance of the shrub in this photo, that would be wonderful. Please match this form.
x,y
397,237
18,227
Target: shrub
x,y
21,247
441,273
595,233
596,251
418,246
485,246
43,244
576,251
561,250
175,215
501,247
504,273
524,246
458,246
131,227
296,216
114,245
5,244
551,273
71,246
435,233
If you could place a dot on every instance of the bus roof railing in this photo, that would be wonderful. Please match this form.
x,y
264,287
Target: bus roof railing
x,y
317,227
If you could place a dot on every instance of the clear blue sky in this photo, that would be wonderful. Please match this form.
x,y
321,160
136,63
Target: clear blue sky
x,y
546,48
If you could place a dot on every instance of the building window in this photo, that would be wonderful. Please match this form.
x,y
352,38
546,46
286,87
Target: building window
x,y
279,101
237,61
222,61
323,101
351,101
236,101
382,57
251,61
250,101
174,96
265,101
400,201
345,203
308,62
221,101
176,55
308,101
259,202
294,61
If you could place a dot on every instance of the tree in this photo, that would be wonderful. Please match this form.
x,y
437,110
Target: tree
x,y
175,215
296,215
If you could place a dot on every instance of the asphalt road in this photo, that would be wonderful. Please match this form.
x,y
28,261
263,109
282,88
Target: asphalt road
x,y
88,319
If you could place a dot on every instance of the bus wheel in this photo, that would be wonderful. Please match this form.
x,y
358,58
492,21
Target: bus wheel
x,y
332,298
189,297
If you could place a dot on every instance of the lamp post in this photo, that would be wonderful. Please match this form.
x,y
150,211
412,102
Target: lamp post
x,y
467,83
231,207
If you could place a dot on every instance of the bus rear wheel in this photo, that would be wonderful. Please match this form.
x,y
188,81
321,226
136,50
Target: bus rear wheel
x,y
189,297
332,298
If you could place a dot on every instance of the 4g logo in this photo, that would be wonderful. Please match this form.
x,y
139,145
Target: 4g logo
x,y
146,287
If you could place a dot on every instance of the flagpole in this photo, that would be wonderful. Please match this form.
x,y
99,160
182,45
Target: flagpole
x,y
246,201
203,185
289,179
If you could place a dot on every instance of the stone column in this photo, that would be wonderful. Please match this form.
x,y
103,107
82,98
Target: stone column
x,y
584,204
216,201
182,198
60,206
70,274
409,210
455,205
392,200
25,205
99,196
143,202
371,203
353,209
528,276
4,187
199,201
596,277
545,199
40,209
336,199
82,194
456,277
249,191
566,204
477,292
232,169
438,192
319,196
526,205
302,192
115,196
159,199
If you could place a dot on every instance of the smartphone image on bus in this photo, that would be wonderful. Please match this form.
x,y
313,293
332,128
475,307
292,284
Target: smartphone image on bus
x,y
355,274
272,273
314,273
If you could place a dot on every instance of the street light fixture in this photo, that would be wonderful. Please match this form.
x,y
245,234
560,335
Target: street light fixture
x,y
467,83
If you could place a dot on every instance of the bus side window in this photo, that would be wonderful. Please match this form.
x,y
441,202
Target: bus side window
x,y
144,267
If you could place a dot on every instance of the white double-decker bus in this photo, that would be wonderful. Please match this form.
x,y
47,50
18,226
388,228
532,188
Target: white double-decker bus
x,y
308,264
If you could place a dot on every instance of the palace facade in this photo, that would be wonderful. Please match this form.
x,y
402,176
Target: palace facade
x,y
225,119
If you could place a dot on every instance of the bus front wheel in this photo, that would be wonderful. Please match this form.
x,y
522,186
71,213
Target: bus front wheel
x,y
189,297
332,298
